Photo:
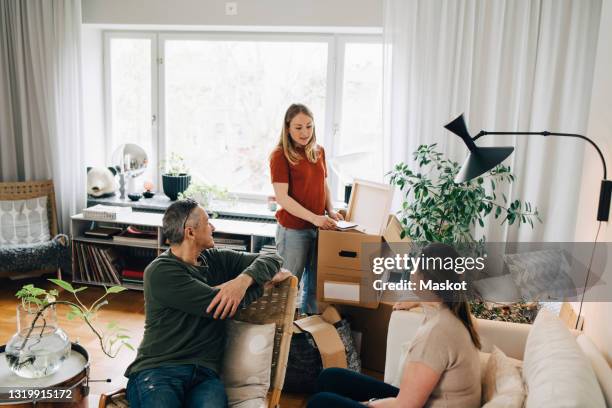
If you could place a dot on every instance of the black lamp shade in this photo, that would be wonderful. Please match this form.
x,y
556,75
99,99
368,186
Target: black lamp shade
x,y
481,160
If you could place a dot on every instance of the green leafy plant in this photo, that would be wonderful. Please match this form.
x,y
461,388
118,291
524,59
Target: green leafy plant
x,y
36,300
203,193
175,165
436,209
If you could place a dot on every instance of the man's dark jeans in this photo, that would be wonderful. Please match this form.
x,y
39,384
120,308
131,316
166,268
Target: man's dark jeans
x,y
176,386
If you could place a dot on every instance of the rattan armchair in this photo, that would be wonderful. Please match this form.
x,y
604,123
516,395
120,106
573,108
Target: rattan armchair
x,y
57,248
277,305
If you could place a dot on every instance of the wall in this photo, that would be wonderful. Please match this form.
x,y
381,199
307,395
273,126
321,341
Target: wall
x,y
597,314
356,13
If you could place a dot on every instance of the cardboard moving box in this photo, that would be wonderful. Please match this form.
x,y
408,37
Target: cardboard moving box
x,y
372,325
343,273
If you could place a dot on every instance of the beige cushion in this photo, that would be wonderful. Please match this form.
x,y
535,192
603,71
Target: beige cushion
x,y
484,360
247,363
502,385
556,372
600,366
24,221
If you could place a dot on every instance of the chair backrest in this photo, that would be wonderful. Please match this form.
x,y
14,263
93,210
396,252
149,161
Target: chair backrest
x,y
24,190
277,305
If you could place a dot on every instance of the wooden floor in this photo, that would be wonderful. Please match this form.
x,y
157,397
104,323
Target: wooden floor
x,y
126,308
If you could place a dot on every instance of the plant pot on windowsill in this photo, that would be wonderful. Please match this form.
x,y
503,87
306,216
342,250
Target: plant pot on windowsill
x,y
174,184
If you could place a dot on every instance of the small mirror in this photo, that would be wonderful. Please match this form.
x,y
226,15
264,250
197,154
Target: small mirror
x,y
131,161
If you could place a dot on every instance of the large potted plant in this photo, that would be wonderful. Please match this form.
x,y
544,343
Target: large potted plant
x,y
436,209
175,176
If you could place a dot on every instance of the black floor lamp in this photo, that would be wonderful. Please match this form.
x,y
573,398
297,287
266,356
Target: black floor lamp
x,y
482,159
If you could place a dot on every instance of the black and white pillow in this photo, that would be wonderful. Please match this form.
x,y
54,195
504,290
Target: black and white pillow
x,y
24,221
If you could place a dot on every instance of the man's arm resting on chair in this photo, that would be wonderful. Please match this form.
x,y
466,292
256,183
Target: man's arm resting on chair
x,y
258,269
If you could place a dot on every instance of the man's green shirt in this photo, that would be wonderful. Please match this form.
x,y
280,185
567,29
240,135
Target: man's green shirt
x,y
177,328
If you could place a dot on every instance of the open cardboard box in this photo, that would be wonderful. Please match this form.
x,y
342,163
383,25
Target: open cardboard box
x,y
343,273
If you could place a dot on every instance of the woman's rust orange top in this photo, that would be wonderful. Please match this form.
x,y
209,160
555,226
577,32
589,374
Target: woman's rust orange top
x,y
306,185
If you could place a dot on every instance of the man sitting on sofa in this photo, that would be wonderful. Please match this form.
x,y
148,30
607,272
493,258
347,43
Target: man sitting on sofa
x,y
189,290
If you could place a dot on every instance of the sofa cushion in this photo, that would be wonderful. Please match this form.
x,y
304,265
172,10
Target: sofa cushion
x,y
484,360
247,362
555,371
502,385
24,221
600,366
500,289
542,275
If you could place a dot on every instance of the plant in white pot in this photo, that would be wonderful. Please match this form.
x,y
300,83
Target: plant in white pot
x,y
175,176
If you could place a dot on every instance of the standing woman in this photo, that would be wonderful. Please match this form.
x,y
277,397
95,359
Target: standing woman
x,y
299,172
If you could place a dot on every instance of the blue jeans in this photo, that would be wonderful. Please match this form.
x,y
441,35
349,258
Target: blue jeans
x,y
341,388
298,248
178,386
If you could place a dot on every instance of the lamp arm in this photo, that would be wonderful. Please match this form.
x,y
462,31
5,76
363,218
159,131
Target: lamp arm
x,y
547,133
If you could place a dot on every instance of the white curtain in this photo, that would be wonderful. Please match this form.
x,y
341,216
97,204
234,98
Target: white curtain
x,y
509,66
40,98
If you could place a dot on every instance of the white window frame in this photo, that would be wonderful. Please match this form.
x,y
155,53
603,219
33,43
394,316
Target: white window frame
x,y
108,120
336,44
341,40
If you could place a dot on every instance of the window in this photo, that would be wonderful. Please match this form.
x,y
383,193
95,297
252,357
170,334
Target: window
x,y
218,100
130,93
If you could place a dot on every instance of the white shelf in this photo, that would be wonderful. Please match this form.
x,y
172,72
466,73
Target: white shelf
x,y
254,235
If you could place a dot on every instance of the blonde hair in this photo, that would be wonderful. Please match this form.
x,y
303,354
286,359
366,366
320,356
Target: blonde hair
x,y
286,144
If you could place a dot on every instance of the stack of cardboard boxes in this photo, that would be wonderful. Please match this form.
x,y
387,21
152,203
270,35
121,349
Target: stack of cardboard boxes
x,y
344,273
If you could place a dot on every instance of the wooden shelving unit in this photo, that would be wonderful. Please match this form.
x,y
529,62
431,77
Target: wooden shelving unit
x,y
91,269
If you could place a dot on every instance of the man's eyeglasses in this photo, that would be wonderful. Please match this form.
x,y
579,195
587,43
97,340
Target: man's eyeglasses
x,y
191,204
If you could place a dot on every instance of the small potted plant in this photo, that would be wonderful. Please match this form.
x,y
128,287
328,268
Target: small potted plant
x,y
175,176
204,193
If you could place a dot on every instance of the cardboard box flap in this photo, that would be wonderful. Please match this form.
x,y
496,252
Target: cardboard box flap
x,y
327,339
369,206
393,232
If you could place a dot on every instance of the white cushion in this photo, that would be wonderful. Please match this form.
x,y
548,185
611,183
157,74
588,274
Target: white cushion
x,y
502,385
556,372
600,366
541,275
24,221
498,289
247,363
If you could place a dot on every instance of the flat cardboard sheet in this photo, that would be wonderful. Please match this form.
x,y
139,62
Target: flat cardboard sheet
x,y
369,206
327,339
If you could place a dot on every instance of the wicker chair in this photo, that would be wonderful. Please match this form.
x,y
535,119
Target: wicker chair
x,y
277,305
57,249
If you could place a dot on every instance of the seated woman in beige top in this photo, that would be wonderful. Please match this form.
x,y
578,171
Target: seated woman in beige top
x,y
442,366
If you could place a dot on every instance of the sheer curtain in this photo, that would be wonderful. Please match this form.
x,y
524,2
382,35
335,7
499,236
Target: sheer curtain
x,y
508,65
40,98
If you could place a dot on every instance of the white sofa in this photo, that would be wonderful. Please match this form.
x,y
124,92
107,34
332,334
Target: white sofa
x,y
512,338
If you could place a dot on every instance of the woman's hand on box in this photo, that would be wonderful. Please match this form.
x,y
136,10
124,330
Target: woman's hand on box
x,y
324,222
336,216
